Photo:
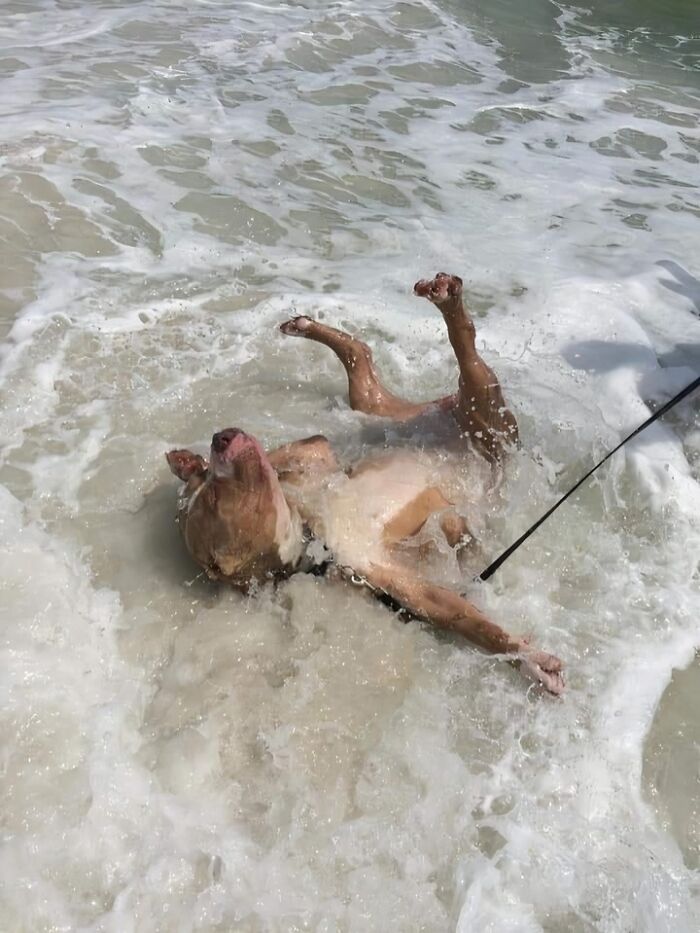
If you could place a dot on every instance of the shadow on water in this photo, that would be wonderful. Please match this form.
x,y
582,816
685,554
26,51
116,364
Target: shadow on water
x,y
601,356
683,283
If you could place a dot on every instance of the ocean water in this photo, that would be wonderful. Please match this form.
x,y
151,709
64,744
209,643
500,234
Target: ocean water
x,y
176,178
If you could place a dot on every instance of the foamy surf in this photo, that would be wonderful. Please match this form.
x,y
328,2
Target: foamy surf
x,y
174,182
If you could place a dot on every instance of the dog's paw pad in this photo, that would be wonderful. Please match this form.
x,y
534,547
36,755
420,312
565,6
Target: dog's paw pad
x,y
439,289
296,326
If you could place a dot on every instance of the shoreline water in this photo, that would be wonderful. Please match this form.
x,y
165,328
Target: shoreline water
x,y
175,180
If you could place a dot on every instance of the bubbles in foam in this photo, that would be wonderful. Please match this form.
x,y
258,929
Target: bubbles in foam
x,y
175,182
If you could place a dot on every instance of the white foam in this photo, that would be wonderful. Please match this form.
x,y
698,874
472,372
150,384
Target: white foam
x,y
175,187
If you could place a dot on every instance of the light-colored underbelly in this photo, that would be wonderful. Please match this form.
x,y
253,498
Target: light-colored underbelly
x,y
354,510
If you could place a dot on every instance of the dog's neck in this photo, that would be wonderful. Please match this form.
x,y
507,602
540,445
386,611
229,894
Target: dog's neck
x,y
290,538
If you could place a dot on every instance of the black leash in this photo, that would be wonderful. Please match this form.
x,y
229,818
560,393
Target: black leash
x,y
492,568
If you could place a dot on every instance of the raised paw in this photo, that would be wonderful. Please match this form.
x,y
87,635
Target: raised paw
x,y
545,668
442,288
296,326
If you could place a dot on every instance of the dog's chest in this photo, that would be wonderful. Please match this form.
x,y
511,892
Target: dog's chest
x,y
352,512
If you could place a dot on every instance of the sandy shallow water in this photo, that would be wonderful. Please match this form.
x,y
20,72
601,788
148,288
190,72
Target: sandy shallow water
x,y
175,180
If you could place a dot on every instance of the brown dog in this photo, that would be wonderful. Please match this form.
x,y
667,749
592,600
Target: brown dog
x,y
248,516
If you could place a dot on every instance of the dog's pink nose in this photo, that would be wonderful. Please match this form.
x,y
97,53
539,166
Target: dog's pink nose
x,y
222,439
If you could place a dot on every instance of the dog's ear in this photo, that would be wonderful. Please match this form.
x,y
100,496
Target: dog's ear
x,y
184,464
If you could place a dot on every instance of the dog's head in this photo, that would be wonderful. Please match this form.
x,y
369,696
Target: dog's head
x,y
239,526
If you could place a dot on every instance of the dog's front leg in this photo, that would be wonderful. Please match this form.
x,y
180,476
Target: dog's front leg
x,y
449,610
312,455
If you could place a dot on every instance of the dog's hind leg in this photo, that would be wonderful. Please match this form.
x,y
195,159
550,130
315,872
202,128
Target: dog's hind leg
x,y
479,409
366,390
410,520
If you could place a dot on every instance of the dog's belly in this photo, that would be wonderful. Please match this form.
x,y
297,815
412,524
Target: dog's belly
x,y
355,509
